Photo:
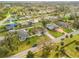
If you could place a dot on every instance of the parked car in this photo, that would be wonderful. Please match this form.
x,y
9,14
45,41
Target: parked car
x,y
34,45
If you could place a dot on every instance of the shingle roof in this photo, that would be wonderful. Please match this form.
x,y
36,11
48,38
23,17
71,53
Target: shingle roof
x,y
23,34
51,26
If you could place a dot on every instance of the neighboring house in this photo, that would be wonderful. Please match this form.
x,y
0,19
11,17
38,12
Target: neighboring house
x,y
7,5
63,24
10,19
10,26
24,17
23,34
51,26
36,20
39,32
53,17
12,32
30,22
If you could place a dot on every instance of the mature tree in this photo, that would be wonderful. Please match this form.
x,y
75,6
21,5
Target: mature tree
x,y
67,36
46,50
77,48
77,42
12,41
3,51
76,21
76,24
30,54
71,35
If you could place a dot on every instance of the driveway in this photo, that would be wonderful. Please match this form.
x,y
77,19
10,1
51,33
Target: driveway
x,y
49,35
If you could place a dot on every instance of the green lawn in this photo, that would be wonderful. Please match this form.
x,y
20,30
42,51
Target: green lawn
x,y
36,39
67,30
27,44
71,51
2,16
54,33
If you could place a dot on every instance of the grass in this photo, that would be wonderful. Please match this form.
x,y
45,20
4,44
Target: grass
x,y
71,51
29,43
3,31
54,33
2,16
36,39
67,30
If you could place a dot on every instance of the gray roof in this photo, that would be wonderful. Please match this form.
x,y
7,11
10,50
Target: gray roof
x,y
23,34
10,19
63,24
51,26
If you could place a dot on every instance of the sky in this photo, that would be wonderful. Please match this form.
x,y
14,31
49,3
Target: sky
x,y
39,0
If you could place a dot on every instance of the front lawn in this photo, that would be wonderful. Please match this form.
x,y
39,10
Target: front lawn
x,y
37,40
55,33
67,30
70,49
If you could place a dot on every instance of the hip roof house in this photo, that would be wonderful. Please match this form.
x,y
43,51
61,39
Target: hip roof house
x,y
23,34
52,26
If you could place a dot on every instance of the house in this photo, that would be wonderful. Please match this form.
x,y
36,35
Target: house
x,y
51,26
24,17
53,17
63,24
10,19
12,32
36,20
7,5
23,34
30,22
10,26
39,32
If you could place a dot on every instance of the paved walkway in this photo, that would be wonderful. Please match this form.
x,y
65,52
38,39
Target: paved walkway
x,y
49,35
